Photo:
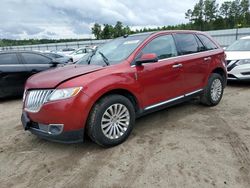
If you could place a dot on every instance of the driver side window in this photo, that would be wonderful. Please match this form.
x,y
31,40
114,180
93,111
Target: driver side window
x,y
163,47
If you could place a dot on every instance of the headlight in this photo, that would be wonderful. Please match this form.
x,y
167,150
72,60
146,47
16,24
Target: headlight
x,y
243,62
64,93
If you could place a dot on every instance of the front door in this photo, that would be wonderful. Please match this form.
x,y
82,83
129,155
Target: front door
x,y
162,81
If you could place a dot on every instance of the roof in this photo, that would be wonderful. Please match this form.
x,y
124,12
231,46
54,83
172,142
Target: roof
x,y
16,51
166,31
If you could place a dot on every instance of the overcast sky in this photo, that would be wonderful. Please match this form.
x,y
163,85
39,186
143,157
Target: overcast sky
x,y
73,18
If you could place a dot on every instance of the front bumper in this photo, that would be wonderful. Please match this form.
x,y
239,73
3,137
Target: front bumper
x,y
240,72
35,128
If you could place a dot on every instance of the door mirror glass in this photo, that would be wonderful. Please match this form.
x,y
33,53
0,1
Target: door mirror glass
x,y
147,58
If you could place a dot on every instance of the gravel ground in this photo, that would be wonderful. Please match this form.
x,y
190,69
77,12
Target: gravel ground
x,y
188,145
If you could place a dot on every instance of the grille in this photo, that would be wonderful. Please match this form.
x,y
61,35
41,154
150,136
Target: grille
x,y
36,98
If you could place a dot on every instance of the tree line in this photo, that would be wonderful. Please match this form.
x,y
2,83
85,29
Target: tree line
x,y
206,15
11,42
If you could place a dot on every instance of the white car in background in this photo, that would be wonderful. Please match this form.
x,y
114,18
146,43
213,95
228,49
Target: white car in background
x,y
79,53
238,59
66,51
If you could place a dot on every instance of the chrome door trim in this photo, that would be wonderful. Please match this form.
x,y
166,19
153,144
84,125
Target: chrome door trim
x,y
164,102
179,56
191,93
172,100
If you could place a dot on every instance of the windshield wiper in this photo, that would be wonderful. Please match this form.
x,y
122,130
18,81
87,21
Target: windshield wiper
x,y
105,59
90,57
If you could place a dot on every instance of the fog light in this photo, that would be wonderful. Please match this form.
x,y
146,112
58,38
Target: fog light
x,y
55,129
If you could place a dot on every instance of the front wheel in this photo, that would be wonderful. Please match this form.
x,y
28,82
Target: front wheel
x,y
111,120
213,91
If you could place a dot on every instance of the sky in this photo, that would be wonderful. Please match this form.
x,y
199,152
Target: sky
x,y
54,19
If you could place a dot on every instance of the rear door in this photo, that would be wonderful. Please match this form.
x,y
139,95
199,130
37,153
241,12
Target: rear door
x,y
35,62
162,81
194,61
12,74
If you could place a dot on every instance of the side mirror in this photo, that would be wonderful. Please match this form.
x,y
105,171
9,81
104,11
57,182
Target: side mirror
x,y
55,63
147,58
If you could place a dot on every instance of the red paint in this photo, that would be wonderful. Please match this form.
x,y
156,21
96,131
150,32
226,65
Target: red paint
x,y
150,83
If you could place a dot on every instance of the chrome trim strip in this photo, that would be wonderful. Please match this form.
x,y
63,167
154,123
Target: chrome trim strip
x,y
178,56
48,131
191,93
164,102
38,130
187,55
172,100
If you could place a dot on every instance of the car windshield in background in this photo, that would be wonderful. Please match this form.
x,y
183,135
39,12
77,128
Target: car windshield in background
x,y
240,45
113,51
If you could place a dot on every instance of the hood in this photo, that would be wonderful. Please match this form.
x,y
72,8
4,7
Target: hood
x,y
237,55
53,77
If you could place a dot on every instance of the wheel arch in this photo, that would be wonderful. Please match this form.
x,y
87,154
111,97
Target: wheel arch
x,y
124,92
221,72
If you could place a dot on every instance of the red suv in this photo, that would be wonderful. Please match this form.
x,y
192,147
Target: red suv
x,y
127,77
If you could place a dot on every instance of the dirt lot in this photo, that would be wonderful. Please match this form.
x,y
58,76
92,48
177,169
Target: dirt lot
x,y
184,146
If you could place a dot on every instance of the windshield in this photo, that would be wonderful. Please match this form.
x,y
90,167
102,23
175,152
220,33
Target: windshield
x,y
240,45
113,51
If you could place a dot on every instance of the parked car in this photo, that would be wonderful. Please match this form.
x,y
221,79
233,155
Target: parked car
x,y
59,57
66,51
238,59
79,53
17,66
126,78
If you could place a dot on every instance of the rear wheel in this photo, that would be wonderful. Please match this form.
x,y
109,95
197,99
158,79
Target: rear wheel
x,y
111,120
213,91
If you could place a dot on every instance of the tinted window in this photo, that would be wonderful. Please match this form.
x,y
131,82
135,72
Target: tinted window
x,y
187,43
207,42
201,46
163,47
31,58
8,59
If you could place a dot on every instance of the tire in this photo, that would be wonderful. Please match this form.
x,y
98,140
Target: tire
x,y
215,85
107,129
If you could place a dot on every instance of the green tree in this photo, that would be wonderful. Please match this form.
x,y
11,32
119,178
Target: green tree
x,y
225,9
210,10
118,29
107,32
97,30
197,15
245,13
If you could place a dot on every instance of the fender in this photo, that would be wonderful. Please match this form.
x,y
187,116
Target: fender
x,y
117,81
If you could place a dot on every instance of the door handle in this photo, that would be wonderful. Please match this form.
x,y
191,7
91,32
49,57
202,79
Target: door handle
x,y
207,59
177,65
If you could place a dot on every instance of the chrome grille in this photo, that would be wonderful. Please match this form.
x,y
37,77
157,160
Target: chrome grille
x,y
36,98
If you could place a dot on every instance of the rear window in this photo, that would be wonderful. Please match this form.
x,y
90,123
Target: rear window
x,y
207,42
31,58
187,43
8,59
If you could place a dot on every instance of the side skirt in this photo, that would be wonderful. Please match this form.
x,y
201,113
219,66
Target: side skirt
x,y
169,103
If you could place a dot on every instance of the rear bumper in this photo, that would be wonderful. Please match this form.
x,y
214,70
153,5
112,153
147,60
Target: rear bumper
x,y
74,136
